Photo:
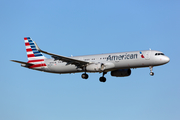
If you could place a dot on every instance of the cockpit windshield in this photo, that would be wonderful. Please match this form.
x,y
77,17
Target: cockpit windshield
x,y
159,54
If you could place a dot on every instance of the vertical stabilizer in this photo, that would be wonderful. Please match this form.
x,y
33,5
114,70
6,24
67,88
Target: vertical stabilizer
x,y
34,56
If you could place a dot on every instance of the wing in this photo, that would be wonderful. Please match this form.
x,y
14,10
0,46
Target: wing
x,y
78,63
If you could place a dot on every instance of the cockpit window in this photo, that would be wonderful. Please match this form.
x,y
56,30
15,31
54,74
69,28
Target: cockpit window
x,y
159,54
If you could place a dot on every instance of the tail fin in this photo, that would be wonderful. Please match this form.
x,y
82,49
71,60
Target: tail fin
x,y
34,56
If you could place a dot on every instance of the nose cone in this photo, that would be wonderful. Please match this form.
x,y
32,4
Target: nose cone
x,y
166,59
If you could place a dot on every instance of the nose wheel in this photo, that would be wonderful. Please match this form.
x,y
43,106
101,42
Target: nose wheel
x,y
151,72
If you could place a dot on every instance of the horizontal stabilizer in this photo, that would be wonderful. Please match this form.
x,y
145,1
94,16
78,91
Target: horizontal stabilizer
x,y
25,63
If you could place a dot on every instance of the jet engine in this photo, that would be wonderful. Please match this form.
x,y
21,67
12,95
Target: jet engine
x,y
121,73
95,67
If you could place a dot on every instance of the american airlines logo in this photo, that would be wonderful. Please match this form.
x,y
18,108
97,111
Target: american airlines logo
x,y
122,57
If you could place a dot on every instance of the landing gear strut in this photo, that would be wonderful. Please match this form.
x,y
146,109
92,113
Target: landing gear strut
x,y
151,68
84,76
103,79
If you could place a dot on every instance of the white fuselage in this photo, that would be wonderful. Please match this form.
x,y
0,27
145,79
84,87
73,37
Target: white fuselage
x,y
112,61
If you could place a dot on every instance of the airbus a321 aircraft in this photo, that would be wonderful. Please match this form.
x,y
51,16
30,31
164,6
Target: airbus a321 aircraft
x,y
119,64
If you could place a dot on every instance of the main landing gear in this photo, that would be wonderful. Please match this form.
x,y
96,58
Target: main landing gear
x,y
101,79
151,68
84,76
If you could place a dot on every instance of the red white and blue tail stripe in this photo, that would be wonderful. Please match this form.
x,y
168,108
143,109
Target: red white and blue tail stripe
x,y
34,56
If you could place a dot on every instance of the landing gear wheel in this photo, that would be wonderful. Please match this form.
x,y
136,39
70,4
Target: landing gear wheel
x,y
151,70
151,73
84,76
102,79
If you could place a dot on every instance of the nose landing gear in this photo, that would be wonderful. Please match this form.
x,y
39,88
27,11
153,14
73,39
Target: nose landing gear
x,y
151,68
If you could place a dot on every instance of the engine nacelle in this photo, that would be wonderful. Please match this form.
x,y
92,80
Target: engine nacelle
x,y
121,73
96,67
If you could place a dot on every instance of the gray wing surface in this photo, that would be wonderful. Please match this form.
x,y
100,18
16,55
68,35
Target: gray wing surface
x,y
69,60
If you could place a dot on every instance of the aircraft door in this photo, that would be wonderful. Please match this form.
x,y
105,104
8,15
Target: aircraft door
x,y
147,55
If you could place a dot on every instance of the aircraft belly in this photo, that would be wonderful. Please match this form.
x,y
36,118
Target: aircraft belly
x,y
62,68
126,64
133,63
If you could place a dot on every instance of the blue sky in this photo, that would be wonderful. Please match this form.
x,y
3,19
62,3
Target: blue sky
x,y
89,27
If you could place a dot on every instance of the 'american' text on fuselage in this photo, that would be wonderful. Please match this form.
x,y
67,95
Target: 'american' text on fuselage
x,y
122,57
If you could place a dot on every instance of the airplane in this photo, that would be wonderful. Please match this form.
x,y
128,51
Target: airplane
x,y
119,64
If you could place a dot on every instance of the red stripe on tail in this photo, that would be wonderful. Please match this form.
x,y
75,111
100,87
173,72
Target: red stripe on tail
x,y
27,44
37,65
28,50
30,55
40,60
